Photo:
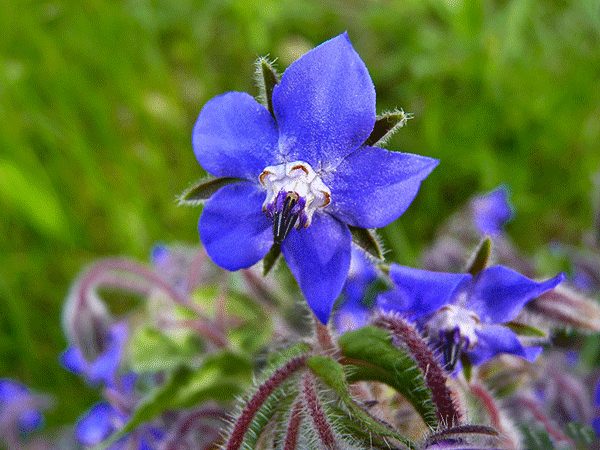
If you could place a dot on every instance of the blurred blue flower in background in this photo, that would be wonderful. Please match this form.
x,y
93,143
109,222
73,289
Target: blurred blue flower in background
x,y
19,409
491,211
304,173
463,313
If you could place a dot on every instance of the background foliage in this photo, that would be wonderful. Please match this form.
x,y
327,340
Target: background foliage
x,y
98,99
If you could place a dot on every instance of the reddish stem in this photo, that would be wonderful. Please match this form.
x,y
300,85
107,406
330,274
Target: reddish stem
x,y
318,416
434,374
293,429
257,400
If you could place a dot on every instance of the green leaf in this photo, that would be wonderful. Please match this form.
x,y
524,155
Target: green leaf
x,y
267,79
481,257
271,258
152,351
385,126
202,190
332,374
375,358
525,330
365,239
221,378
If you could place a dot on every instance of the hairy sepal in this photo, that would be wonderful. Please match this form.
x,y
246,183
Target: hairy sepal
x,y
367,240
266,79
201,191
385,126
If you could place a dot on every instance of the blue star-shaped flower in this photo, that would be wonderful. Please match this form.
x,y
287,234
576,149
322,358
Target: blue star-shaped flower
x,y
462,313
306,172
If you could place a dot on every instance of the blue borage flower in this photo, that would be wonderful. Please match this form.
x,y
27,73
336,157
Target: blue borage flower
x,y
306,174
464,313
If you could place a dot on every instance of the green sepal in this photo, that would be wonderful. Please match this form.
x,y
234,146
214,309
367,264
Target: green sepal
x,y
385,126
374,358
365,239
202,190
271,258
332,374
467,366
481,257
525,330
221,378
267,78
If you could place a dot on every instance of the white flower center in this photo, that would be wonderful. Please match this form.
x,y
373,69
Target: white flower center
x,y
296,180
452,317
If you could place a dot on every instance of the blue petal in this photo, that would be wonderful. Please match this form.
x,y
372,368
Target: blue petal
x,y
11,390
493,340
235,136
373,187
73,360
319,258
30,419
325,105
233,228
420,292
96,425
498,293
492,211
532,353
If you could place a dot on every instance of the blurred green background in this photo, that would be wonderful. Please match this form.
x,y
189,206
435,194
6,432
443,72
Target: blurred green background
x,y
98,100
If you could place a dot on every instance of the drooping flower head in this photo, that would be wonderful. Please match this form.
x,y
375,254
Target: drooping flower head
x,y
302,174
464,313
104,367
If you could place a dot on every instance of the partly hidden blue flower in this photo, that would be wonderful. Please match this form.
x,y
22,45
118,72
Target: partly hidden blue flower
x,y
358,295
461,313
596,419
491,211
19,408
103,420
304,172
103,369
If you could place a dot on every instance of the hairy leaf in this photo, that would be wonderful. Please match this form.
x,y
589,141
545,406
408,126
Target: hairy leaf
x,y
332,374
374,358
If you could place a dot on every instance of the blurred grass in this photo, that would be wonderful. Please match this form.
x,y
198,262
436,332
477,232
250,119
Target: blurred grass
x,y
98,99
